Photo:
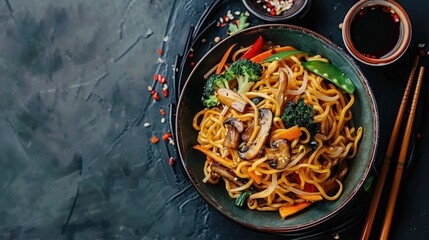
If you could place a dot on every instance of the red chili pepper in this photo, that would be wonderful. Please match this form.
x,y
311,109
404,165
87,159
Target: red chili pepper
x,y
162,111
165,92
255,49
166,136
154,139
171,161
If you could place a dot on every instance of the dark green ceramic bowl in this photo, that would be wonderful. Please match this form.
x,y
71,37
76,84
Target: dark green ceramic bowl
x,y
364,112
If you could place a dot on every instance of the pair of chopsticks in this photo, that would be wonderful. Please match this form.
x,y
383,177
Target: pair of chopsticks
x,y
401,159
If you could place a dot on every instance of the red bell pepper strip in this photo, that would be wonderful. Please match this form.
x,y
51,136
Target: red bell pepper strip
x,y
308,187
255,49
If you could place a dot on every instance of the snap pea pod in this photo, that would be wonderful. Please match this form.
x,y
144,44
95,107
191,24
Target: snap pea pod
x,y
331,73
242,198
281,55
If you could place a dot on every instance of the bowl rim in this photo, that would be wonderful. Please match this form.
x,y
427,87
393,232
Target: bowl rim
x,y
357,188
402,44
250,6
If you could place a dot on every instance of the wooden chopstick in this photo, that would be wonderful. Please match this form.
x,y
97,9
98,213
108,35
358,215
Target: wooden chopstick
x,y
401,160
392,142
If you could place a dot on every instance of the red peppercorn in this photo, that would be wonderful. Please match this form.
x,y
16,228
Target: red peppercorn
x,y
166,136
192,64
191,55
171,161
160,51
162,111
154,139
165,92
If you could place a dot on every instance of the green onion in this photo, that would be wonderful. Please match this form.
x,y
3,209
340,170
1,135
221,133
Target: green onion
x,y
242,199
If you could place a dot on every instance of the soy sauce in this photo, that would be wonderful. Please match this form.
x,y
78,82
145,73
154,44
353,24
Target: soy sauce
x,y
375,31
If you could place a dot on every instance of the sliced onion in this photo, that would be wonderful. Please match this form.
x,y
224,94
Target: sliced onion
x,y
300,90
335,152
300,192
267,191
324,97
244,187
296,160
206,178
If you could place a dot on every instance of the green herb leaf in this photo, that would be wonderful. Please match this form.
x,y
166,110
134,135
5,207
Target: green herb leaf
x,y
242,24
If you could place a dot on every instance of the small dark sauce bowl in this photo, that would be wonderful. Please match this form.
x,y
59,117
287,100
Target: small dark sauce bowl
x,y
404,37
298,10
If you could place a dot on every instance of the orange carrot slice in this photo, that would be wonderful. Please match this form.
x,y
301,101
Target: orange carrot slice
x,y
292,209
224,161
262,56
224,58
288,134
255,177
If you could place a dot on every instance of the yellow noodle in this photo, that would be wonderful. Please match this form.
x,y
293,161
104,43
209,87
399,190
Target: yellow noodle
x,y
323,167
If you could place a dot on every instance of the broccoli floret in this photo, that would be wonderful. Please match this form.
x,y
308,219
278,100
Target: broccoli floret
x,y
213,83
300,114
246,72
211,101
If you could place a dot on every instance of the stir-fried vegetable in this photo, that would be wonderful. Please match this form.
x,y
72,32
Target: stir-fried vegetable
x,y
213,83
299,114
246,72
255,49
331,73
281,55
242,198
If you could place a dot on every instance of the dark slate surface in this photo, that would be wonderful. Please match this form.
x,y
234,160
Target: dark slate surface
x,y
76,161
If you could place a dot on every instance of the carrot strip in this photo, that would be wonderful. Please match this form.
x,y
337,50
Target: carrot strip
x,y
292,209
224,58
288,134
224,161
255,177
311,198
262,56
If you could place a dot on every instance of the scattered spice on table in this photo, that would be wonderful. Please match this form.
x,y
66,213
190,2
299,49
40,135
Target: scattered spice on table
x,y
166,136
276,7
153,92
154,139
171,161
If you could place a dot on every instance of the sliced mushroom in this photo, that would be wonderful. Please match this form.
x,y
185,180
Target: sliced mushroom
x,y
255,148
245,136
231,99
279,154
227,173
233,130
